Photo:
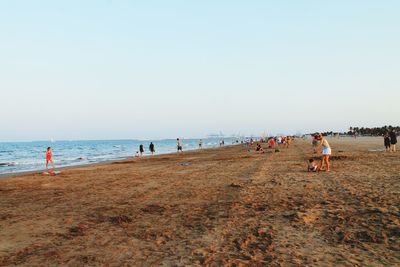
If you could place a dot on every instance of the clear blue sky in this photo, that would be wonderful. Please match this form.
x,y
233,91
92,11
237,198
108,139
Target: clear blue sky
x,y
154,69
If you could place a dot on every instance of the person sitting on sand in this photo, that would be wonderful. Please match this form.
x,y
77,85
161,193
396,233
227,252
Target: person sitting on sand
x,y
393,141
49,158
137,154
259,148
326,153
312,166
386,141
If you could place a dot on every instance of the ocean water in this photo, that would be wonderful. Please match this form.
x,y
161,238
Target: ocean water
x,y
30,156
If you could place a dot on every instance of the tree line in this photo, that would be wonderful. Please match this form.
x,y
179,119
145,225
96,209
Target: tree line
x,y
375,131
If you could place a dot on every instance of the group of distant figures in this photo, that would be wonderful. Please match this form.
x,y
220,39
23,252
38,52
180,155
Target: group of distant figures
x,y
152,149
319,141
390,141
273,142
141,150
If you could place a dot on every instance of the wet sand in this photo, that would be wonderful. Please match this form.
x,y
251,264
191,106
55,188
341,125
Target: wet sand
x,y
213,207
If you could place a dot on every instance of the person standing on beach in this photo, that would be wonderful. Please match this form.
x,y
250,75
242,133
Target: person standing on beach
x,y
393,141
326,153
286,141
179,145
141,149
49,158
151,148
289,140
386,142
279,140
200,144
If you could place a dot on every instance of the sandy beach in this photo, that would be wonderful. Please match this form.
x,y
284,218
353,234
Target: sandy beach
x,y
212,207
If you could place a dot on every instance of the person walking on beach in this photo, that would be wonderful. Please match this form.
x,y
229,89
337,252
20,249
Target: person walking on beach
x,y
200,144
141,149
386,142
393,141
179,145
326,153
151,148
49,158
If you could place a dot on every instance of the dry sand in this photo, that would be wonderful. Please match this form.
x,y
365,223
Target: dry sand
x,y
214,207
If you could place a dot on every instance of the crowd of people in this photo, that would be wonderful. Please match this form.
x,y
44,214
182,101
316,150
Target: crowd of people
x,y
318,142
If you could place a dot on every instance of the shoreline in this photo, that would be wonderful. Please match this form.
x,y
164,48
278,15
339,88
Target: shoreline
x,y
27,172
5,176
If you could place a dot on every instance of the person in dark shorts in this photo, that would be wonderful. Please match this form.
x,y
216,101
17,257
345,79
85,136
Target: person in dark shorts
x,y
386,141
179,145
141,150
393,141
151,148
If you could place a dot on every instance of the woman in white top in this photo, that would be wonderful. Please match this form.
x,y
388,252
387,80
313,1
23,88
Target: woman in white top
x,y
326,152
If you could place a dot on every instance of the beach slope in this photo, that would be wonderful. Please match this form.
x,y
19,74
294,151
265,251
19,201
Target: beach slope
x,y
211,207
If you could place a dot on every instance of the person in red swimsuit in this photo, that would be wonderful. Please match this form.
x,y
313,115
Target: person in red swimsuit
x,y
271,143
49,158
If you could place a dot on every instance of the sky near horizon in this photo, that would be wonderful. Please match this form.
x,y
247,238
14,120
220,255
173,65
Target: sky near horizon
x,y
165,69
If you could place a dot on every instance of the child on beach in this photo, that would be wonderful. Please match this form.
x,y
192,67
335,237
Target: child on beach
x,y
137,154
49,158
386,141
312,166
